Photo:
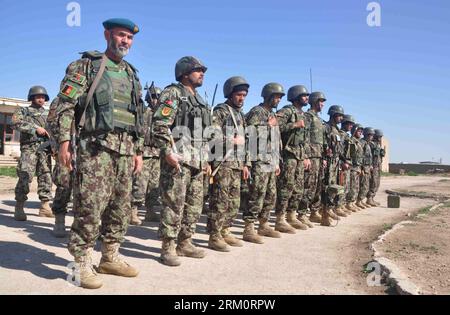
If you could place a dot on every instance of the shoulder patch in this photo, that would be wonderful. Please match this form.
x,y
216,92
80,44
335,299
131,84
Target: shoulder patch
x,y
69,91
166,111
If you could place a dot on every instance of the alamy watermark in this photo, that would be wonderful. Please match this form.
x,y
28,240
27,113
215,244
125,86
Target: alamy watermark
x,y
74,17
374,17
374,277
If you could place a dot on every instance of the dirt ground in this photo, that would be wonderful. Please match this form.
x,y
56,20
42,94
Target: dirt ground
x,y
422,250
317,261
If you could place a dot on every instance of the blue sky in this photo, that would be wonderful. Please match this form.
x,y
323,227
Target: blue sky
x,y
394,77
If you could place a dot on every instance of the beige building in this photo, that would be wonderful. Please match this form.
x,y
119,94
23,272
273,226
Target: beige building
x,y
385,145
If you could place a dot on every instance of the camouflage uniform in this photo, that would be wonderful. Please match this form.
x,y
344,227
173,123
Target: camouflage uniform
x,y
314,176
345,175
181,193
32,160
365,170
355,174
262,187
226,189
377,157
295,150
105,149
146,184
334,144
61,176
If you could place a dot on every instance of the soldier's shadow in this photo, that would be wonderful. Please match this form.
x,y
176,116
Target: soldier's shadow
x,y
18,256
37,231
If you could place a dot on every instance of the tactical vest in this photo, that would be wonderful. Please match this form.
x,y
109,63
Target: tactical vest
x,y
334,139
111,109
34,118
316,130
356,152
295,137
367,153
229,121
192,107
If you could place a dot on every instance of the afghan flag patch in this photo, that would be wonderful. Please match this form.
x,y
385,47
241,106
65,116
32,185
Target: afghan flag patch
x,y
78,78
69,91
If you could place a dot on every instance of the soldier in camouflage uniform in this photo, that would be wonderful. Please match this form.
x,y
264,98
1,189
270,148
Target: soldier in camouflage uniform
x,y
345,159
357,156
108,127
31,122
367,167
332,192
230,163
264,144
377,159
146,184
178,127
290,186
314,175
62,177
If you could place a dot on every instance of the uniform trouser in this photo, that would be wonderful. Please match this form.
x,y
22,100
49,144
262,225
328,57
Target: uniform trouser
x,y
262,193
62,178
345,180
313,186
374,182
32,161
332,172
102,198
355,179
225,199
364,184
146,184
290,186
182,198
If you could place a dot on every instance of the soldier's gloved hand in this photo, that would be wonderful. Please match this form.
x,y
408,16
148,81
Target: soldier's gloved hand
x,y
138,162
65,155
41,131
245,173
173,160
307,164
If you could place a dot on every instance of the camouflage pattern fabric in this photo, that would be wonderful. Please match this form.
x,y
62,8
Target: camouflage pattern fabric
x,y
290,186
62,178
146,184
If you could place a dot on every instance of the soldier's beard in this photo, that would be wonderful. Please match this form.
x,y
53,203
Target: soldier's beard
x,y
118,51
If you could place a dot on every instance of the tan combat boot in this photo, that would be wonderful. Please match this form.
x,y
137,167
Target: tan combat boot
x,y
168,254
45,210
250,234
111,263
331,214
371,202
187,249
134,218
304,219
326,219
294,222
282,226
315,217
366,204
350,207
230,239
59,230
89,278
19,214
338,211
216,242
264,229
360,205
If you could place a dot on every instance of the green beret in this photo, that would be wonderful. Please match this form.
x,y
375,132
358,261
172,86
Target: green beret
x,y
120,22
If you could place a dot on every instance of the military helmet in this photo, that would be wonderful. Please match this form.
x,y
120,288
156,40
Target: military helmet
x,y
348,119
272,88
232,83
378,133
316,96
356,126
37,90
335,110
296,91
186,65
369,131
